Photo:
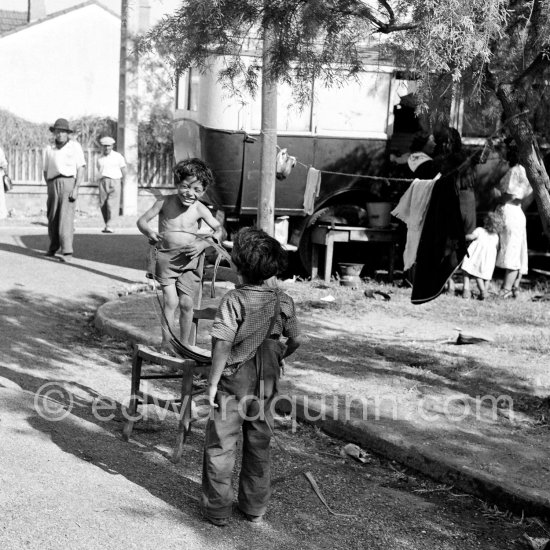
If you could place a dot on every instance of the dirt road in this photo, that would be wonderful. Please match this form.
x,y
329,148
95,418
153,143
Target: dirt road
x,y
73,483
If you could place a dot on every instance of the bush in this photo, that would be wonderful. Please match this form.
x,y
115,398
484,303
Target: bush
x,y
154,134
18,133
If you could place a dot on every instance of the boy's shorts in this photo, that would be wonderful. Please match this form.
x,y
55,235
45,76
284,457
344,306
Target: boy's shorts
x,y
178,269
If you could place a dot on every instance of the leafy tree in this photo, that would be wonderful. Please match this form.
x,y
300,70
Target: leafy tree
x,y
490,48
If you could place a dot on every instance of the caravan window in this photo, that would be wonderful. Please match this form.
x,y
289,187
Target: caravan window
x,y
359,106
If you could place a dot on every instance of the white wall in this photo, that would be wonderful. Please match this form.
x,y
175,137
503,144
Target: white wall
x,y
66,66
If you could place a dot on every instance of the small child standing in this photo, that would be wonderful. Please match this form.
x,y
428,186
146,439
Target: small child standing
x,y
246,360
178,247
482,255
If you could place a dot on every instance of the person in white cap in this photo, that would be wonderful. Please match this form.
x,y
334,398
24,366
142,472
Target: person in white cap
x,y
111,170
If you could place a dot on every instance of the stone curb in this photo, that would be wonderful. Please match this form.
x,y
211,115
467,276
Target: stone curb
x,y
105,323
503,494
435,466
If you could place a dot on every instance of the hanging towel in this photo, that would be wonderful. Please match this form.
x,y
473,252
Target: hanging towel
x,y
313,187
411,209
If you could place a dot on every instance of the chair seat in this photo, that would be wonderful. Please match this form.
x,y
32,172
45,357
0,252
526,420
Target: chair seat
x,y
206,314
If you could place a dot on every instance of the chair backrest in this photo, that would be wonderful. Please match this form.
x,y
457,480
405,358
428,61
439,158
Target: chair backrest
x,y
221,274
210,274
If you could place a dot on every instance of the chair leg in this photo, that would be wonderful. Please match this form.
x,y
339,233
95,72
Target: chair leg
x,y
134,401
184,426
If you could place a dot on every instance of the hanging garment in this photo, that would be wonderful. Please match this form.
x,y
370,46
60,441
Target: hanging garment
x,y
411,210
442,245
313,187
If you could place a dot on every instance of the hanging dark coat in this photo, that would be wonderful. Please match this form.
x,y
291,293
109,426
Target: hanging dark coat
x,y
442,245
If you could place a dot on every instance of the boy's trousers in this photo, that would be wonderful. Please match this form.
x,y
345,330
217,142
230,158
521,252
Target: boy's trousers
x,y
238,406
60,212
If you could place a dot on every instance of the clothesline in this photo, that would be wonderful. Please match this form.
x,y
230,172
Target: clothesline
x,y
409,180
366,176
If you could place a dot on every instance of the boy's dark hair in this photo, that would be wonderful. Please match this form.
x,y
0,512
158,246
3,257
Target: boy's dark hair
x,y
193,167
256,255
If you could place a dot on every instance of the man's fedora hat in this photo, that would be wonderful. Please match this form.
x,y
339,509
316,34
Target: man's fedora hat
x,y
61,124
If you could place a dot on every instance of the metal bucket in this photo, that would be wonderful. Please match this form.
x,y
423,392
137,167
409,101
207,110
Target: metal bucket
x,y
379,214
350,274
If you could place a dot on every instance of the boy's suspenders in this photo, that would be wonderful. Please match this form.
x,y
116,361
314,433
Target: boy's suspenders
x,y
259,355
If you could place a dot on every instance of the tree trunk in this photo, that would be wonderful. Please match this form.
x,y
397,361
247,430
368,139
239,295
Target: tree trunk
x,y
268,157
127,133
520,129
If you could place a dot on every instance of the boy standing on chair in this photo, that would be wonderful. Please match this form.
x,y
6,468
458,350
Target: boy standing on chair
x,y
246,361
178,245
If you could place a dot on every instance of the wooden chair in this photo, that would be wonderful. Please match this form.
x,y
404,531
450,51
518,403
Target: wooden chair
x,y
187,367
210,274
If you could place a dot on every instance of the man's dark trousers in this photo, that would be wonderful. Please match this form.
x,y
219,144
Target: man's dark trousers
x,y
60,212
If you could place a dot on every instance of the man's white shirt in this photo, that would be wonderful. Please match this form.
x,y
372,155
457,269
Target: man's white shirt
x,y
65,161
110,166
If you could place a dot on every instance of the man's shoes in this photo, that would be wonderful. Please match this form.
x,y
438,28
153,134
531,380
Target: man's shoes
x,y
66,258
49,254
107,229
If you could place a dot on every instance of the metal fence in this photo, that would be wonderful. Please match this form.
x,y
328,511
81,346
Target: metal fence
x,y
25,167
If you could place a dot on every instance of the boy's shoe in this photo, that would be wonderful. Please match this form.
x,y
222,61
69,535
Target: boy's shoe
x,y
254,519
250,517
481,296
218,522
66,258
50,254
107,229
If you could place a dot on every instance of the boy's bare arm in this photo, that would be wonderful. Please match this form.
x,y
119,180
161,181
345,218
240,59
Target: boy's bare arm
x,y
211,221
292,344
144,219
220,352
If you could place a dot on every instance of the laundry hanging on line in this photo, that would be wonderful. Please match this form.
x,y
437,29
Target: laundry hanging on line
x,y
312,190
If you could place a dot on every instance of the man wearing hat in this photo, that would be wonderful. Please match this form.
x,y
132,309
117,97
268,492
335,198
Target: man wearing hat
x,y
111,169
63,171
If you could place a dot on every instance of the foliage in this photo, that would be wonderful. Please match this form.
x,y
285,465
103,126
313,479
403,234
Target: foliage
x,y
155,133
155,105
89,129
16,132
309,37
472,42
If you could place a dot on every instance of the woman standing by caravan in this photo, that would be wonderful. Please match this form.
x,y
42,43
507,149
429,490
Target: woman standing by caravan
x,y
514,188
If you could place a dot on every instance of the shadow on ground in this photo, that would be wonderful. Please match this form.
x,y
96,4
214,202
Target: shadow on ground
x,y
114,249
46,340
